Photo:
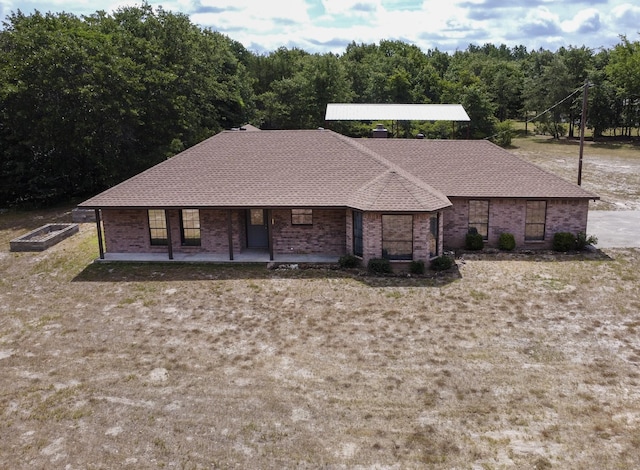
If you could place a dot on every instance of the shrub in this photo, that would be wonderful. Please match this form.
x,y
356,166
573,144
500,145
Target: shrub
x,y
582,240
564,241
506,241
504,133
442,263
349,261
474,240
379,266
416,267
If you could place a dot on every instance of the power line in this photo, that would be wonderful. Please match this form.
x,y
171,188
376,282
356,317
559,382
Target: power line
x,y
557,104
577,90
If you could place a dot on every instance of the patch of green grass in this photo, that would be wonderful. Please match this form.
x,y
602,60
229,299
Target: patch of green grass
x,y
394,294
478,295
60,405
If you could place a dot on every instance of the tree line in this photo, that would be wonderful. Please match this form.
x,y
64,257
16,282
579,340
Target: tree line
x,y
86,102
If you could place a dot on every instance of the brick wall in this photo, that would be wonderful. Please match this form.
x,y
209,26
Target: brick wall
x,y
371,236
127,231
508,215
327,234
349,231
422,238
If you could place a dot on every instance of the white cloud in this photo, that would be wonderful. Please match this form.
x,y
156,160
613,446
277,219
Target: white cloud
x,y
585,21
539,22
249,18
627,15
352,7
446,24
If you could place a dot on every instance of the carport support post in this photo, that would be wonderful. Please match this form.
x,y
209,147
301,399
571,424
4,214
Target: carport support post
x,y
99,226
169,243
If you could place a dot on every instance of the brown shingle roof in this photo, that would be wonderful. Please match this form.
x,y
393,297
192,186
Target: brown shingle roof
x,y
320,168
309,168
474,168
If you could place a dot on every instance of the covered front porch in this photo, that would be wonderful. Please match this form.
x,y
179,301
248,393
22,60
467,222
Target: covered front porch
x,y
263,235
249,256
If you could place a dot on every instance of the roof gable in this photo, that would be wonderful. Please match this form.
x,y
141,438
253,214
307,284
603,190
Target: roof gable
x,y
392,192
312,168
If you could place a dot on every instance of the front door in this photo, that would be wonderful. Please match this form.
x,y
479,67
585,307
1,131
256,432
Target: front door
x,y
257,229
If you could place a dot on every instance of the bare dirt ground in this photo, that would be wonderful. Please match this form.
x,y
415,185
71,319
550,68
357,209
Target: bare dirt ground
x,y
509,361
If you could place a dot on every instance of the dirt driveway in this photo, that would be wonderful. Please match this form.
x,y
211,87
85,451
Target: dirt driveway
x,y
615,229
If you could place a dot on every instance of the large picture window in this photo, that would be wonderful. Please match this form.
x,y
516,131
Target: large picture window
x,y
157,227
190,227
479,217
535,220
301,216
397,237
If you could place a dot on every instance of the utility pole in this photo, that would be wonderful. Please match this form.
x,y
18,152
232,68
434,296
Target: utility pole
x,y
583,120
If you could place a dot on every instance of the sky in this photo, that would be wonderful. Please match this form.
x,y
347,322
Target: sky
x,y
322,26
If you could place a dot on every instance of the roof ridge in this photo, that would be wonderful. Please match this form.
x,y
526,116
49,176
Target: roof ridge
x,y
393,167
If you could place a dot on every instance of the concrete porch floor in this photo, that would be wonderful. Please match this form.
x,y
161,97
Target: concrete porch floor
x,y
244,257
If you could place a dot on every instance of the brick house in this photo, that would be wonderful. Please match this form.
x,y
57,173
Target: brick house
x,y
296,195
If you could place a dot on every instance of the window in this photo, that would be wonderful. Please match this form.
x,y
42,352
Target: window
x,y
301,216
397,237
190,227
535,220
435,235
256,217
479,217
357,233
157,227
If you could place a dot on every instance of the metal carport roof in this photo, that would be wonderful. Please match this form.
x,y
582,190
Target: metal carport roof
x,y
395,112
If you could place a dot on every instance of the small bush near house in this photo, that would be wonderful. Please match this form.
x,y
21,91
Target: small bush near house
x,y
348,261
379,266
582,240
442,263
416,267
473,241
506,241
564,241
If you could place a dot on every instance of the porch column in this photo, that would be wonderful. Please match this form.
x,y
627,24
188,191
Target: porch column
x,y
99,226
270,233
230,234
169,243
440,239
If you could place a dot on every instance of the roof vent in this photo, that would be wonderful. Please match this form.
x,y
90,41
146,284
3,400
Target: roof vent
x,y
380,132
420,136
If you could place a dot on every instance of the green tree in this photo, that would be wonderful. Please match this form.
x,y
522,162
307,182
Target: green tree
x,y
623,71
299,99
579,63
86,102
547,92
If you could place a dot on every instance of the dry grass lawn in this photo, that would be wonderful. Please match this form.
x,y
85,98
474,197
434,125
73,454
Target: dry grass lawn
x,y
520,361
